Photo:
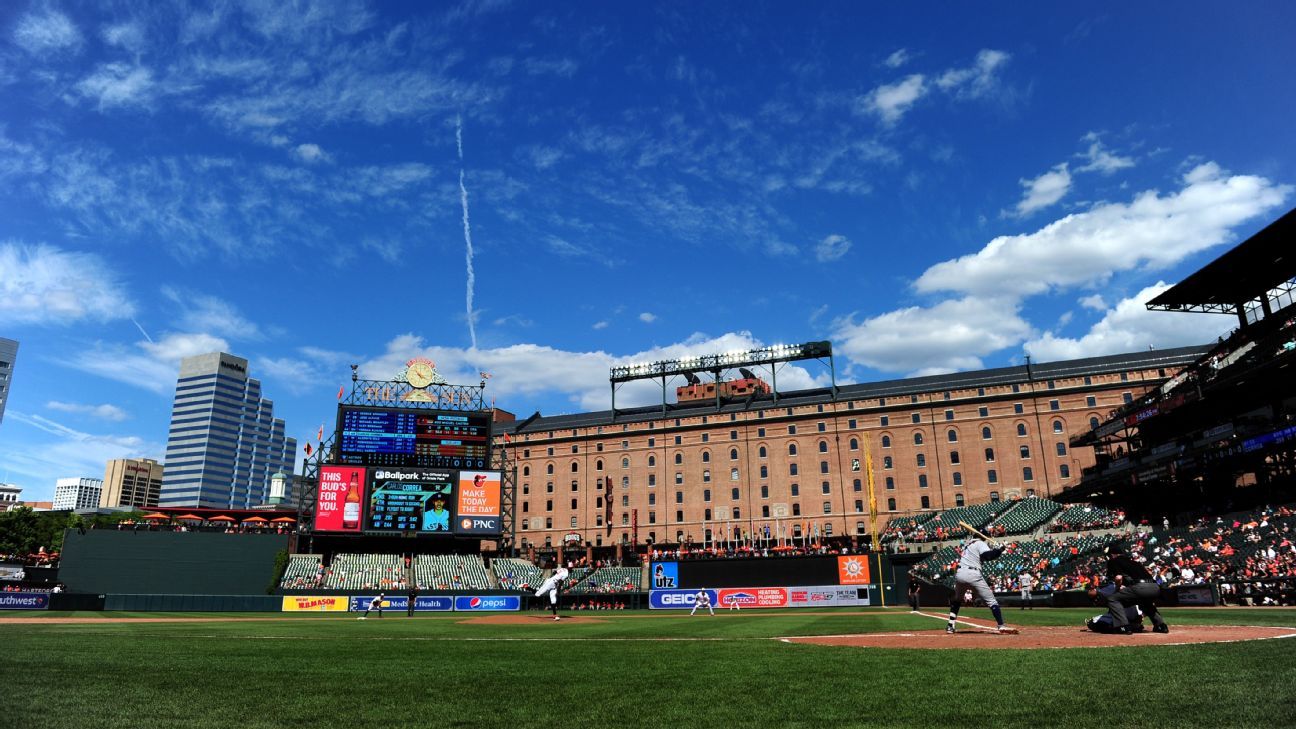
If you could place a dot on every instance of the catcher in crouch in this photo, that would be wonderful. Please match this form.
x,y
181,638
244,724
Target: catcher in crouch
x,y
968,577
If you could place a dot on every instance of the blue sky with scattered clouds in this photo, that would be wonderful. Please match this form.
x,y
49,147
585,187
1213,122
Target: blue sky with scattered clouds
x,y
543,191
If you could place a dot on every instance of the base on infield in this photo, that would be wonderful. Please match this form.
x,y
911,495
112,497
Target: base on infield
x,y
1048,637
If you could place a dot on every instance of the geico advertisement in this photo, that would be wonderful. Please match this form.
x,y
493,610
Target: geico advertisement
x,y
677,599
327,603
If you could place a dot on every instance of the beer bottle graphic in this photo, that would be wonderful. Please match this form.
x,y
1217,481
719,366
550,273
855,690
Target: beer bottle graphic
x,y
351,507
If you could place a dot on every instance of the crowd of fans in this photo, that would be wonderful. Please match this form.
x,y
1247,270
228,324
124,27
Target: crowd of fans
x,y
1087,518
685,552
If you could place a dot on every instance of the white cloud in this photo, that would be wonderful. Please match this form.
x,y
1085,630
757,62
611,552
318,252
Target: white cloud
x,y
1044,190
45,285
528,370
564,67
46,29
118,85
647,317
202,313
172,348
1098,159
1130,327
600,325
951,335
64,451
832,248
311,153
1151,231
1093,301
897,59
129,36
977,81
104,412
890,101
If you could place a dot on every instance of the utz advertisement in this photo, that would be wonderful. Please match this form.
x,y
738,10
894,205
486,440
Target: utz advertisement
x,y
665,575
479,503
677,599
853,570
472,603
341,498
24,600
314,603
400,603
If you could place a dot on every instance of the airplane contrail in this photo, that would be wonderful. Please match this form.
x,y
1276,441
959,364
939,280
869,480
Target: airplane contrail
x,y
137,326
467,229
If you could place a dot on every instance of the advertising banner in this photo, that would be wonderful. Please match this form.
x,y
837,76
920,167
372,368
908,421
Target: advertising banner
x,y
1196,595
24,600
665,575
827,596
853,570
314,603
471,603
756,597
411,499
341,498
479,503
400,603
677,599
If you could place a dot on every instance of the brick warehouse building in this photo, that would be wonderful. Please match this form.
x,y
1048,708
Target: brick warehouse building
x,y
937,442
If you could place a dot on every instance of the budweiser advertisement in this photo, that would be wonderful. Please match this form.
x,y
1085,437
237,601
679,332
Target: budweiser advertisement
x,y
341,497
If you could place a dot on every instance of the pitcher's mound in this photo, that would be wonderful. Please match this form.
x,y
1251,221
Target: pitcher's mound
x,y
527,620
1049,637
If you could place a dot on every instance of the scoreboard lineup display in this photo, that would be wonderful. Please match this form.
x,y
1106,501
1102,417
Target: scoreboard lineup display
x,y
410,500
375,436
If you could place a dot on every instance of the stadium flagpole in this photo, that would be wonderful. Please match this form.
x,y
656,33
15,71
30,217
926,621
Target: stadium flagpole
x,y
873,514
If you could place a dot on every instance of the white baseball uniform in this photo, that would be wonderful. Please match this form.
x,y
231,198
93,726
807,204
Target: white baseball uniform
x,y
702,599
552,585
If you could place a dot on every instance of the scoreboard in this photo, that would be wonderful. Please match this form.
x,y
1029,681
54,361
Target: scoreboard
x,y
410,438
410,501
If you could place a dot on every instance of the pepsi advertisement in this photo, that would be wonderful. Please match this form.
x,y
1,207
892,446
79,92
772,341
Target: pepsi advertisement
x,y
473,603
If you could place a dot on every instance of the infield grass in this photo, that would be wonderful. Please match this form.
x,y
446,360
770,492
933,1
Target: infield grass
x,y
635,669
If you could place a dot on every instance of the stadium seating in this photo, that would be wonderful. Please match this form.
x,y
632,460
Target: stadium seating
x,y
609,579
366,572
451,572
1081,517
902,526
301,572
1026,515
516,574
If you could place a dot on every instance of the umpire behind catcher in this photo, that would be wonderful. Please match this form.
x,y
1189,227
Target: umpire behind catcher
x,y
1134,586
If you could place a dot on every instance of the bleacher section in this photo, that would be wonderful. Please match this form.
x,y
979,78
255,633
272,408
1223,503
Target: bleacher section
x,y
609,579
902,526
366,572
301,572
1080,517
516,574
945,525
451,572
1025,516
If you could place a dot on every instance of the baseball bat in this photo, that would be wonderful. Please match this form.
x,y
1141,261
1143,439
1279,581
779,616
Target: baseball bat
x,y
973,530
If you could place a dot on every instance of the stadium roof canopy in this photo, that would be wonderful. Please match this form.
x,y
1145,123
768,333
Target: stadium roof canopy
x,y
1233,282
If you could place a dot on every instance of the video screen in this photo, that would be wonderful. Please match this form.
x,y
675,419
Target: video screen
x,y
340,499
404,437
412,500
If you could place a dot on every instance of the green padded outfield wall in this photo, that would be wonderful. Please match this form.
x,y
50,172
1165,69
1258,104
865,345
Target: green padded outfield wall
x,y
105,561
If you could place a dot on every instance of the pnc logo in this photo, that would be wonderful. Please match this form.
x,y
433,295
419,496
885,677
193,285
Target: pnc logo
x,y
466,523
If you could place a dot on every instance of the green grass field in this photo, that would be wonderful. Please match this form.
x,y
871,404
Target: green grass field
x,y
634,669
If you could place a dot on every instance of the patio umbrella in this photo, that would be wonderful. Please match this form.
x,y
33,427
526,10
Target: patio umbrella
x,y
284,520
221,518
155,516
190,517
259,519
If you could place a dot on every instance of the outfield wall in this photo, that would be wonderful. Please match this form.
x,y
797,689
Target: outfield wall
x,y
767,582
130,563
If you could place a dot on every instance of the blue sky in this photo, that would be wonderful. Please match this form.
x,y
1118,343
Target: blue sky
x,y
932,188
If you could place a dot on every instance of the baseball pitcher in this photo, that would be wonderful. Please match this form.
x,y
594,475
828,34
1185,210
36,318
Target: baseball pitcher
x,y
552,586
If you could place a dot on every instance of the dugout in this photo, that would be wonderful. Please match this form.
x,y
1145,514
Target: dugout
x,y
110,562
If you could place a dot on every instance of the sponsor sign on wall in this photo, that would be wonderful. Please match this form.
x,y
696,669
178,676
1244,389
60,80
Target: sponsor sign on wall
x,y
341,498
764,597
479,502
678,599
472,603
853,570
314,603
400,603
665,575
24,600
